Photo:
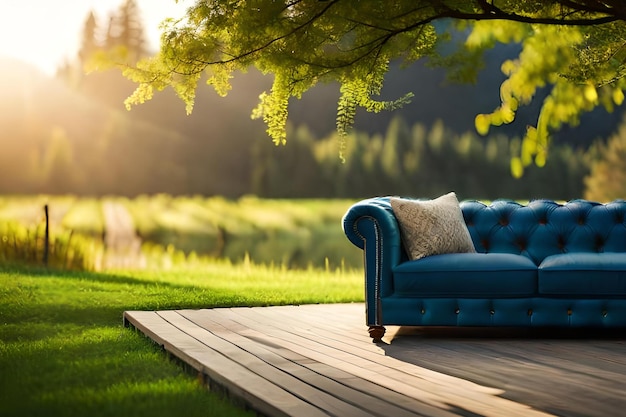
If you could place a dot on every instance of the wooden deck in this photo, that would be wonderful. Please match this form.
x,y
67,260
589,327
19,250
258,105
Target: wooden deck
x,y
318,360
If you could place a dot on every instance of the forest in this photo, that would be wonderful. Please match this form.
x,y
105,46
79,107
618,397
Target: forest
x,y
72,135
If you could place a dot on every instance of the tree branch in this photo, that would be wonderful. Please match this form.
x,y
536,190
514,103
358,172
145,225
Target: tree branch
x,y
604,12
497,14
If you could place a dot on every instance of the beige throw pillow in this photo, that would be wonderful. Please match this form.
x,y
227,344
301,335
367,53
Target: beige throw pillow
x,y
432,227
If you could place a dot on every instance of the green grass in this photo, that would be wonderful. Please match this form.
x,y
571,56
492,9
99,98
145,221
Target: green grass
x,y
65,352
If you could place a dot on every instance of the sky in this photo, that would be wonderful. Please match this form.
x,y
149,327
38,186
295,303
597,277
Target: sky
x,y
46,32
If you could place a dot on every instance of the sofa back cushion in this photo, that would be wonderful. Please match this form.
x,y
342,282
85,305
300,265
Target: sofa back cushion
x,y
544,228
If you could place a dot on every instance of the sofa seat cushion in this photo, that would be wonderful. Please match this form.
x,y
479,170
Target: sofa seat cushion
x,y
583,274
466,275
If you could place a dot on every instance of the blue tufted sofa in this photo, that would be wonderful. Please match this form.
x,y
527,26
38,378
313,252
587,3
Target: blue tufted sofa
x,y
541,264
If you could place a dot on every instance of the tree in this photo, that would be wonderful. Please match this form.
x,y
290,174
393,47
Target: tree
x,y
607,179
123,43
89,41
72,71
125,33
575,47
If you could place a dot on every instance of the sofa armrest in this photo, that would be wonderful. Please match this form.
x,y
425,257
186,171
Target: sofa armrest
x,y
371,225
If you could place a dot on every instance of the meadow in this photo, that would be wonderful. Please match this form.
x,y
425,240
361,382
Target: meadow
x,y
294,233
63,348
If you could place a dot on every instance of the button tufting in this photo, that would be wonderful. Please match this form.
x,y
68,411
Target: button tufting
x,y
423,311
605,313
581,221
569,311
457,311
599,244
492,312
504,222
530,311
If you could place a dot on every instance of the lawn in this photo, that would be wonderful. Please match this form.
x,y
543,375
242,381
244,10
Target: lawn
x,y
65,352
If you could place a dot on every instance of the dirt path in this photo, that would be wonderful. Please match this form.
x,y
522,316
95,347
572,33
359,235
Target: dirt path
x,y
122,245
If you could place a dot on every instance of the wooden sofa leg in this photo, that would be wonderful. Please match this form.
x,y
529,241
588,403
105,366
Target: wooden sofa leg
x,y
377,333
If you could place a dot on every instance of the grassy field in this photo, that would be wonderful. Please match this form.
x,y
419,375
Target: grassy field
x,y
63,348
294,233
65,352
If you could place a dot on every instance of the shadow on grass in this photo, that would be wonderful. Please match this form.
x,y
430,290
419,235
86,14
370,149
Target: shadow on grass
x,y
112,277
100,372
97,299
64,350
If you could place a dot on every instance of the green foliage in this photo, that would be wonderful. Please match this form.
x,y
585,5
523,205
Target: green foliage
x,y
550,57
273,109
357,93
574,48
417,161
607,178
302,44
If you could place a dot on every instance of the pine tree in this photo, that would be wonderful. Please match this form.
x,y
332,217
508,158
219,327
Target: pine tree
x,y
72,71
89,41
125,32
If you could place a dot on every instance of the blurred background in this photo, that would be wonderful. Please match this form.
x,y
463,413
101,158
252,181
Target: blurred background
x,y
65,131
66,135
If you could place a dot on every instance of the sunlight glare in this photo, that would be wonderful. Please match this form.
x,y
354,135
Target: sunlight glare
x,y
45,33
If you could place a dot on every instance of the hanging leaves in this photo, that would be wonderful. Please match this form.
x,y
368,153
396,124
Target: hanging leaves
x,y
575,50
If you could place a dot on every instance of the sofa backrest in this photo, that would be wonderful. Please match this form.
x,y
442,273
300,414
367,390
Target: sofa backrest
x,y
543,227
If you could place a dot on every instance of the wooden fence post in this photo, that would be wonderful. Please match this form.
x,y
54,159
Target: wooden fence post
x,y
46,242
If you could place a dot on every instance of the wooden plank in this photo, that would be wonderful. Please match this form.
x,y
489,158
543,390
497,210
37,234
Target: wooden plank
x,y
342,321
370,397
429,387
322,400
261,394
368,351
374,398
534,370
418,371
